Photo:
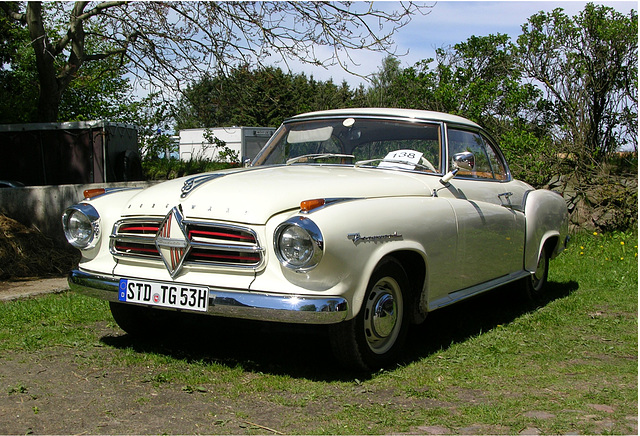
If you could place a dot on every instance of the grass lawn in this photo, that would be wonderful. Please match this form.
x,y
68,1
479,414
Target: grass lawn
x,y
495,364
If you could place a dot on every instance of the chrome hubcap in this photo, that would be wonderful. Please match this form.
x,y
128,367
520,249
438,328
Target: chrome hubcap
x,y
383,315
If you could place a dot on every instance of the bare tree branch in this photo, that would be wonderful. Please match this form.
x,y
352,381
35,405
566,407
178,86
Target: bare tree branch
x,y
171,44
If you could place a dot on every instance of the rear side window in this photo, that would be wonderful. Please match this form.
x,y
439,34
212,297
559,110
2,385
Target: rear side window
x,y
488,163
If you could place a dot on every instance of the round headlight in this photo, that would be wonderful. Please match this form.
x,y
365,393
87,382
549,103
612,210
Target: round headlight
x,y
298,244
81,225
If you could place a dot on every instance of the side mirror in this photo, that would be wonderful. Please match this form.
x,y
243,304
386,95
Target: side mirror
x,y
460,161
464,161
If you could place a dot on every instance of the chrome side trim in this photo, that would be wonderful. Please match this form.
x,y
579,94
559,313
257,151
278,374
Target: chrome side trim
x,y
302,309
328,202
463,294
108,191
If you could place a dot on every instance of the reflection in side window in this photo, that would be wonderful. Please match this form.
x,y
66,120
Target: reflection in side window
x,y
487,162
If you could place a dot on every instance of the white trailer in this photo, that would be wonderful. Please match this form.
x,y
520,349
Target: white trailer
x,y
245,141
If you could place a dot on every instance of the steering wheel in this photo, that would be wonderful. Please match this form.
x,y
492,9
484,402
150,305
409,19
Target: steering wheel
x,y
425,162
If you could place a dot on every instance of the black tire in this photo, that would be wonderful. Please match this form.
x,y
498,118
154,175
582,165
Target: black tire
x,y
141,321
374,338
534,285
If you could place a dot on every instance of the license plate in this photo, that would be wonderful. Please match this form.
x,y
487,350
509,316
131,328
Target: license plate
x,y
171,295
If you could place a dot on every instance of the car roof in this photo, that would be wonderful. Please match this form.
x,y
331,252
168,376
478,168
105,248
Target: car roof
x,y
392,112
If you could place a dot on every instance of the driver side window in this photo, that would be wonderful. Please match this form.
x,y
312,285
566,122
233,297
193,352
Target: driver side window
x,y
488,164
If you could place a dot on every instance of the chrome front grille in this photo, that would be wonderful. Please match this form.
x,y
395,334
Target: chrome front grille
x,y
214,244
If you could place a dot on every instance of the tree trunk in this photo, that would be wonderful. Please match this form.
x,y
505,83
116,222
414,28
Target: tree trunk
x,y
50,93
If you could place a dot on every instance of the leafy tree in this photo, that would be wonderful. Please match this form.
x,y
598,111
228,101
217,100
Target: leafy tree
x,y
260,97
18,77
154,121
478,78
386,85
98,91
587,67
241,97
171,44
481,80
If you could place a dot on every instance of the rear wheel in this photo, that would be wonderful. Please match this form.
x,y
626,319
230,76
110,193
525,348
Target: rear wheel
x,y
374,338
534,285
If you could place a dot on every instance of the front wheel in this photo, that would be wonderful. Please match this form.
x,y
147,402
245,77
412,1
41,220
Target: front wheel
x,y
374,338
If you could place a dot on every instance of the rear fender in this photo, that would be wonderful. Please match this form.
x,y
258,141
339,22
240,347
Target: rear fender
x,y
546,221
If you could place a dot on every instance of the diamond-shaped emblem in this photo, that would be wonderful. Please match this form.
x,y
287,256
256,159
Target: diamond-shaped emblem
x,y
172,242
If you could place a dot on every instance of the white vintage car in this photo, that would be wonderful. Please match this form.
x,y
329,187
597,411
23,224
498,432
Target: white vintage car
x,y
362,219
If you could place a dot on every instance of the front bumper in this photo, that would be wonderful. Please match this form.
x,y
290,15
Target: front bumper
x,y
302,309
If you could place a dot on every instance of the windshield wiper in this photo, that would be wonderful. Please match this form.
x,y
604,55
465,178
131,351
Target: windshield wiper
x,y
318,156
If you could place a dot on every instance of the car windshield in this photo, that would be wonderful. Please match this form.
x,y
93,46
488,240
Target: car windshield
x,y
380,143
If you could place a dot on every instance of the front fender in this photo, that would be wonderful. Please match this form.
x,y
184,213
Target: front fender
x,y
547,219
384,226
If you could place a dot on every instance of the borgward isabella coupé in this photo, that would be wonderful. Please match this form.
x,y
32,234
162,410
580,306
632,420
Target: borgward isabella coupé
x,y
364,220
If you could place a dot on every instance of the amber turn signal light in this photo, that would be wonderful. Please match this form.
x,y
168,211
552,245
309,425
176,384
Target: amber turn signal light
x,y
90,193
309,205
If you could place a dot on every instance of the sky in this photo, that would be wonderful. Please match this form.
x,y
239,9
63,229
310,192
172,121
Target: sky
x,y
449,23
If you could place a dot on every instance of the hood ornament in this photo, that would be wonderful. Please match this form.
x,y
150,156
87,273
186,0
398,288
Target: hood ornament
x,y
172,241
193,182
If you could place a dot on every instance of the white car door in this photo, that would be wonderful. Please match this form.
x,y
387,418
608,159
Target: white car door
x,y
487,206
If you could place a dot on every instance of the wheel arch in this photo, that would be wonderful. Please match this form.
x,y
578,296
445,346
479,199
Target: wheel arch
x,y
415,267
548,242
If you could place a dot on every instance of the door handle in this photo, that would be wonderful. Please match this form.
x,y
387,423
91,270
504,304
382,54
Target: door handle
x,y
505,200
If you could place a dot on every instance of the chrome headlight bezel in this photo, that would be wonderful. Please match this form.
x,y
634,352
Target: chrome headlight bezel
x,y
292,235
88,217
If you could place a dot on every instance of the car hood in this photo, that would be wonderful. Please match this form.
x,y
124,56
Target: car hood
x,y
253,195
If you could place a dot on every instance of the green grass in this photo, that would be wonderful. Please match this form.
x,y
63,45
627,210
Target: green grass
x,y
495,364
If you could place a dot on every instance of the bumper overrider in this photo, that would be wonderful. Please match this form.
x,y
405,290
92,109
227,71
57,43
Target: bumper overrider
x,y
235,304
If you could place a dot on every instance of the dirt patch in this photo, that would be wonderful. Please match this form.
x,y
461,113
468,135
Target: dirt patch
x,y
27,253
60,391
105,386
95,390
23,288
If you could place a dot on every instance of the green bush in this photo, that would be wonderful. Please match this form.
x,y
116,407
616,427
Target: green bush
x,y
531,159
165,169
